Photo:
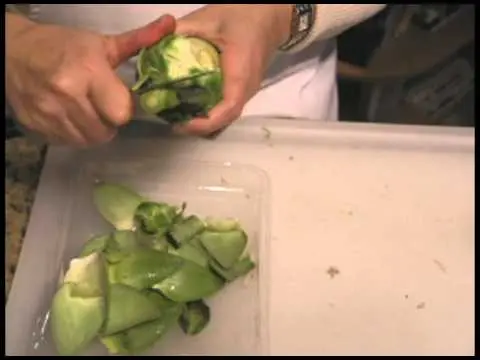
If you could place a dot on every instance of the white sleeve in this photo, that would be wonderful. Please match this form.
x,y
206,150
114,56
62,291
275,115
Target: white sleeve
x,y
332,19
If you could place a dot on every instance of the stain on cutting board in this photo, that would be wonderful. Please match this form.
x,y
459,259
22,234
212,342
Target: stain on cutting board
x,y
332,271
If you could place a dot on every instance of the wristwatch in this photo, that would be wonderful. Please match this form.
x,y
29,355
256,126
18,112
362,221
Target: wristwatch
x,y
303,19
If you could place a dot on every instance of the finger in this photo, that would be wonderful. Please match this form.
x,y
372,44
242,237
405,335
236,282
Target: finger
x,y
61,130
236,92
86,119
34,127
123,46
110,98
49,119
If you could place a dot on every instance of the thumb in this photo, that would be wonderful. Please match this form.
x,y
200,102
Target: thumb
x,y
123,46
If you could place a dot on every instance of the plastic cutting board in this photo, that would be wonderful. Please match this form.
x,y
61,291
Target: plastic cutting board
x,y
364,235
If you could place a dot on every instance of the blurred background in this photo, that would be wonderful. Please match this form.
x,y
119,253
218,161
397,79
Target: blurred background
x,y
411,64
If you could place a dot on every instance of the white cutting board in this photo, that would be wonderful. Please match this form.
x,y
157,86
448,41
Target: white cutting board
x,y
368,233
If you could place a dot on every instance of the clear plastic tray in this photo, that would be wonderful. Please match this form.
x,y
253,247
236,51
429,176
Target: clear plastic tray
x,y
209,189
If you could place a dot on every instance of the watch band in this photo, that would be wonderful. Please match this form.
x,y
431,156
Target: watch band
x,y
303,19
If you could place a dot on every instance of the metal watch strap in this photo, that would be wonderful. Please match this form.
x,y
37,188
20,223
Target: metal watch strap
x,y
303,19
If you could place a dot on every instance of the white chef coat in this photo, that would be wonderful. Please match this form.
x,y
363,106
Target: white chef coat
x,y
301,84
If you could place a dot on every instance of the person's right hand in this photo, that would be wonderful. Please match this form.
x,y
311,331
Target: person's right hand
x,y
61,82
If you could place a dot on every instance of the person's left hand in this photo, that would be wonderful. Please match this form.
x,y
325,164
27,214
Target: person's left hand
x,y
247,37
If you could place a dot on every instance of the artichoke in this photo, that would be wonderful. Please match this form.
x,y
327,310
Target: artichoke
x,y
154,270
178,57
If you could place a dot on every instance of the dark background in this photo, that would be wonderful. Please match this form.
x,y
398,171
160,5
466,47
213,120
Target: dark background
x,y
410,64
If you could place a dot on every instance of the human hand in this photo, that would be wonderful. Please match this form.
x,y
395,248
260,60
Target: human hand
x,y
247,37
61,82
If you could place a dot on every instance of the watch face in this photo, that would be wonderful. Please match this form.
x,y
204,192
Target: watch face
x,y
301,8
303,22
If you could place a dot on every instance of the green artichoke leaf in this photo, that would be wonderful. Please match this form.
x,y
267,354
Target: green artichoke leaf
x,y
128,307
116,204
97,243
221,225
115,344
154,217
75,321
140,338
186,229
78,307
195,317
241,268
192,253
120,244
191,282
225,247
156,241
88,275
143,268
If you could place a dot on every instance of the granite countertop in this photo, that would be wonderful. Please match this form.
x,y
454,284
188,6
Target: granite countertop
x,y
23,164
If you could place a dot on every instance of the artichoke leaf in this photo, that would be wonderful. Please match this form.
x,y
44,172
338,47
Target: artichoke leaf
x,y
88,275
241,268
78,308
128,307
116,204
221,225
141,337
191,282
75,321
120,244
97,243
156,241
225,247
191,253
154,217
143,268
185,229
195,317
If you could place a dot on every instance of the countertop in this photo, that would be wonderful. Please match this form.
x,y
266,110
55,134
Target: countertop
x,y
23,163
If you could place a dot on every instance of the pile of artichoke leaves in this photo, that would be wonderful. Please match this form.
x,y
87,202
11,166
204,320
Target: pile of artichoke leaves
x,y
129,287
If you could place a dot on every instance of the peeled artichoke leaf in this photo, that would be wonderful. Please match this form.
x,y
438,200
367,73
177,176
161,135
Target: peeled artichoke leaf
x,y
143,268
241,268
120,244
75,321
191,253
141,337
152,216
225,247
156,241
192,282
117,204
88,275
96,244
127,307
183,230
195,317
221,225
115,343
